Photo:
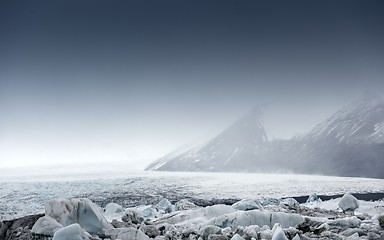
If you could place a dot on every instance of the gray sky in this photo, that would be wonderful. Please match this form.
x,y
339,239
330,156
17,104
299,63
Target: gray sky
x,y
132,80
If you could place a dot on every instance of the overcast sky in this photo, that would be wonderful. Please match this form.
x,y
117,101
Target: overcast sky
x,y
133,80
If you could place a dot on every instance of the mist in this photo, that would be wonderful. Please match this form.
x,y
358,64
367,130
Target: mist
x,y
97,81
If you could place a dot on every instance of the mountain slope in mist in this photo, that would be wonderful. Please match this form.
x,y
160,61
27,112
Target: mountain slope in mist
x,y
349,143
237,143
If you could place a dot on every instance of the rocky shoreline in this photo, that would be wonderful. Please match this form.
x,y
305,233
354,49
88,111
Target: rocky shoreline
x,y
201,219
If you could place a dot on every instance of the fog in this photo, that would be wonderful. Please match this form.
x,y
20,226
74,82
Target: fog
x,y
129,82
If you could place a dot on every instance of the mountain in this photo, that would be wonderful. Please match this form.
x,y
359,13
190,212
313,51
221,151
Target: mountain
x,y
349,143
362,121
238,143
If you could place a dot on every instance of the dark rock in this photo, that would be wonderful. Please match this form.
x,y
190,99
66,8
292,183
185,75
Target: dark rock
x,y
330,235
290,204
208,230
132,216
118,224
381,221
372,235
309,226
19,228
150,230
350,231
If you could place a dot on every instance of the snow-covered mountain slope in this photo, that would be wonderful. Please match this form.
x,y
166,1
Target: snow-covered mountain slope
x,y
349,143
362,121
238,143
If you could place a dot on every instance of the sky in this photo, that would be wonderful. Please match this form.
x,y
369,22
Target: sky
x,y
130,81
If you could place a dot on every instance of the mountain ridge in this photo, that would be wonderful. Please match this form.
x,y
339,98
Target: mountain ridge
x,y
348,143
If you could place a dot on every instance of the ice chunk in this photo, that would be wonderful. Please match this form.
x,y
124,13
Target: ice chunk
x,y
164,206
90,217
350,231
112,208
348,203
132,216
343,223
251,231
195,216
297,237
255,217
82,211
126,234
247,204
354,236
269,201
208,230
184,204
237,237
71,232
147,211
64,211
113,211
266,234
290,203
286,219
313,198
46,226
132,234
278,233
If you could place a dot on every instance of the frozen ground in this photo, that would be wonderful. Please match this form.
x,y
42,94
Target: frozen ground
x,y
24,191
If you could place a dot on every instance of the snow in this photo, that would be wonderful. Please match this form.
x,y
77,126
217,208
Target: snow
x,y
230,157
159,165
22,195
